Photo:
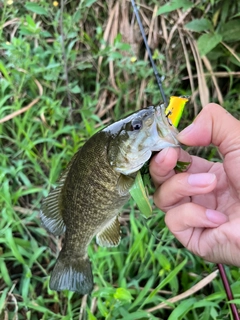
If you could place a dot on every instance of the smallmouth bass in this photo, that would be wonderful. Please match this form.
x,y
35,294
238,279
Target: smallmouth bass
x,y
95,186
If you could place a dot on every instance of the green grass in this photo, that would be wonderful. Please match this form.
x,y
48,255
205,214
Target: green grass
x,y
54,54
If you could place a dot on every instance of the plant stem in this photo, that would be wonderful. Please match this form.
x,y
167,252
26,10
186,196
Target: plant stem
x,y
228,291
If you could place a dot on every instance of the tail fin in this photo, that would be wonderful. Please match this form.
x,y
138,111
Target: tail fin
x,y
72,273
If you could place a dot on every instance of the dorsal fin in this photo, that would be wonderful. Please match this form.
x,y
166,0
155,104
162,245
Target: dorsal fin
x,y
50,213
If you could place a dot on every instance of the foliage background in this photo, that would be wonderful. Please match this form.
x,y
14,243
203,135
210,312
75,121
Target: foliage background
x,y
67,69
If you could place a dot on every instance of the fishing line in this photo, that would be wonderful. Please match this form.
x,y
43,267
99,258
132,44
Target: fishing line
x,y
158,78
145,221
159,82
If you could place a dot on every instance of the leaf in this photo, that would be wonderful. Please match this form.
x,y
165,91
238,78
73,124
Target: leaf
x,y
139,195
12,245
169,278
174,5
4,274
207,42
30,21
141,297
182,309
137,315
114,55
90,315
76,89
4,71
235,61
230,31
84,66
3,299
123,295
25,31
199,25
36,8
88,3
182,166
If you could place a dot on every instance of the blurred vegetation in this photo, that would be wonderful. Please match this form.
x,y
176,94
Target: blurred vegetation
x,y
67,69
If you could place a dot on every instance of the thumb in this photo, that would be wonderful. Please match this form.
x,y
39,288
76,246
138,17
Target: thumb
x,y
213,125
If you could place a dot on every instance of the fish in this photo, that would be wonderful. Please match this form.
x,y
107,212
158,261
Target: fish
x,y
94,187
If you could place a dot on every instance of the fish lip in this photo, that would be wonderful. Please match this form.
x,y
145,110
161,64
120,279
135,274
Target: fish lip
x,y
164,128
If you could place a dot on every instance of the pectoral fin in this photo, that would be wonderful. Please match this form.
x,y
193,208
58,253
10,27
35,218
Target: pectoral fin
x,y
50,214
111,234
124,184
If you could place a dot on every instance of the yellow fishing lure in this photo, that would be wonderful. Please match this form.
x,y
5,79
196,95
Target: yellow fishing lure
x,y
175,109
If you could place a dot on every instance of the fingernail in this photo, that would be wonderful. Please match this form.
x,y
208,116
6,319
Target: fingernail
x,y
186,130
216,216
161,156
201,179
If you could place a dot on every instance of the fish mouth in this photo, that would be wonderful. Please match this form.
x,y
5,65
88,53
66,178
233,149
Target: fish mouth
x,y
165,132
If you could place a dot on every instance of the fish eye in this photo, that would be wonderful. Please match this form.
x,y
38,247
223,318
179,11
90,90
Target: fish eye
x,y
136,124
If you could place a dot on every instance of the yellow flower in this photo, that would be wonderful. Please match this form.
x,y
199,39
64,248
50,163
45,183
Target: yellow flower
x,y
55,3
9,2
133,59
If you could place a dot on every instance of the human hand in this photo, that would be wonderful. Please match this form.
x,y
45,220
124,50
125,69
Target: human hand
x,y
202,205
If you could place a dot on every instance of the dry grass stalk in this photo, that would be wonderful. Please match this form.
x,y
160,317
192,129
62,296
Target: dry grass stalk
x,y
214,79
118,22
202,85
223,74
231,50
83,307
201,284
189,69
150,37
179,21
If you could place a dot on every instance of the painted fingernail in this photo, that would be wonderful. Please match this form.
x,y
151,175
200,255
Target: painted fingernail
x,y
201,179
216,216
186,130
160,157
